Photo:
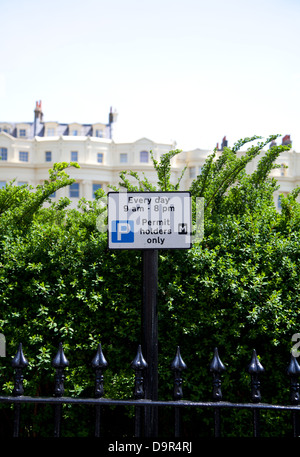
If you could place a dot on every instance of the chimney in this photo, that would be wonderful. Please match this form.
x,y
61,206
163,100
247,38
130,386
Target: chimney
x,y
112,117
286,140
224,143
38,115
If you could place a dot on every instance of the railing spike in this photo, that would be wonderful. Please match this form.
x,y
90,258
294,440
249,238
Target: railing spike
x,y
138,365
216,368
99,364
19,362
178,363
99,360
177,366
293,370
255,368
216,365
60,360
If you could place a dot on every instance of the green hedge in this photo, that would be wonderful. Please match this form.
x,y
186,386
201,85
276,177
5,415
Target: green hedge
x,y
236,290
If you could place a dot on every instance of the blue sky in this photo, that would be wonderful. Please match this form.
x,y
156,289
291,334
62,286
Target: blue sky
x,y
191,71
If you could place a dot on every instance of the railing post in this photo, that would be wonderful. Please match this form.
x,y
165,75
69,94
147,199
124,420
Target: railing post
x,y
99,364
293,371
177,366
217,368
255,369
19,362
60,362
138,364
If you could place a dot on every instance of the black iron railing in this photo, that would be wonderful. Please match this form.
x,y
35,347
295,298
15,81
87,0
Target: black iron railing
x,y
142,405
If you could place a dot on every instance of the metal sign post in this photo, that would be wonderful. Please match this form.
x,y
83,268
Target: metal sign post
x,y
149,221
150,337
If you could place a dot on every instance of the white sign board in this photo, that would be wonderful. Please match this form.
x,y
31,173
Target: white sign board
x,y
149,220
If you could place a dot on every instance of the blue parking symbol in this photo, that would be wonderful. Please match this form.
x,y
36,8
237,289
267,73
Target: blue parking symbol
x,y
122,232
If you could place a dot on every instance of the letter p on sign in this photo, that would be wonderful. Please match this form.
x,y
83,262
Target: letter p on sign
x,y
122,232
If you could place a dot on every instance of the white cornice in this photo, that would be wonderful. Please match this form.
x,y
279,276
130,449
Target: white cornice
x,y
7,135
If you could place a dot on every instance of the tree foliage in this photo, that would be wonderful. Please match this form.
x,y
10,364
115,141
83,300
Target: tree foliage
x,y
238,289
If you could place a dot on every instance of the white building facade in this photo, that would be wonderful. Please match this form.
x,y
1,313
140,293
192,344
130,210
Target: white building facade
x,y
29,149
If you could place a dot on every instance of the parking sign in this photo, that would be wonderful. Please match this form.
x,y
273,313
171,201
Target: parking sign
x,y
149,220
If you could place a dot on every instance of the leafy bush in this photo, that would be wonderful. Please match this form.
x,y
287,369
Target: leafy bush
x,y
238,289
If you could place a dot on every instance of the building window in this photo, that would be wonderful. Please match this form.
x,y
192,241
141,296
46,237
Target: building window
x,y
279,202
53,195
74,132
74,190
48,156
22,183
100,157
22,133
2,184
95,188
99,133
192,172
283,169
50,131
4,129
3,153
144,156
123,157
23,156
74,156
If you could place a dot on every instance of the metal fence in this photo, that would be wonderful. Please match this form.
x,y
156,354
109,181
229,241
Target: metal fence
x,y
144,407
